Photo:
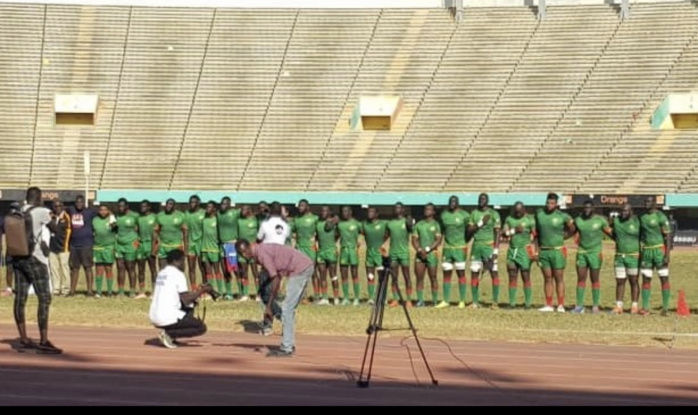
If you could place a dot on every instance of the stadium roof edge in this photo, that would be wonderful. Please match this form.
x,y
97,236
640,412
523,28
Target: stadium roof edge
x,y
322,4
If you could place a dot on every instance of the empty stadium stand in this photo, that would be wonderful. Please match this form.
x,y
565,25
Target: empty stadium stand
x,y
260,99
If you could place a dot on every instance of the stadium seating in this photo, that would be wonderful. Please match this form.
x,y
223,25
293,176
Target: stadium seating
x,y
201,98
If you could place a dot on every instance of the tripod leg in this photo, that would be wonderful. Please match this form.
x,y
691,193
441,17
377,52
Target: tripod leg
x,y
414,333
374,326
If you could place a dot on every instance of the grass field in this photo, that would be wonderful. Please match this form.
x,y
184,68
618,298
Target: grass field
x,y
481,324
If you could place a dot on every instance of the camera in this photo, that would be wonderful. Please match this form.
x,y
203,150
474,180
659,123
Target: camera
x,y
208,288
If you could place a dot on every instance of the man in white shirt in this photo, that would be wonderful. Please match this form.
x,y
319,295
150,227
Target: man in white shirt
x,y
172,307
275,229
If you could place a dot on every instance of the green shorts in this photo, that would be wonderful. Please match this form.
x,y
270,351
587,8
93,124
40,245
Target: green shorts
x,y
127,252
194,248
400,258
243,261
519,258
327,256
374,258
481,253
629,262
144,250
652,258
309,251
163,250
348,256
103,256
455,255
553,258
591,260
211,257
431,260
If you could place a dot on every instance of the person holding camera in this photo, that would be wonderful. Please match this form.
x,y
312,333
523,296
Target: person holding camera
x,y
172,308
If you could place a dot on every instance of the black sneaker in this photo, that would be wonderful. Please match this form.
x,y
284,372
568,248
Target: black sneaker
x,y
48,348
279,353
25,346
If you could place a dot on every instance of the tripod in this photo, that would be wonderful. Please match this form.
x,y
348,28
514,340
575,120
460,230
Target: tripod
x,y
376,324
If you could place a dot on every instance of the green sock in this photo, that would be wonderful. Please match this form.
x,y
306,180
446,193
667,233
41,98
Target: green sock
x,y
495,291
646,291
476,294
596,296
528,296
99,281
219,285
122,291
357,290
371,291
435,297
345,290
240,287
396,297
228,288
581,293
447,290
666,296
512,295
462,290
420,296
110,285
245,289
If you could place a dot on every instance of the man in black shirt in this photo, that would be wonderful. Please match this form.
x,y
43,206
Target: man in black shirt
x,y
59,258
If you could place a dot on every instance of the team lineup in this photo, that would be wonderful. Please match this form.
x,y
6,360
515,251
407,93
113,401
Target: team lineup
x,y
208,233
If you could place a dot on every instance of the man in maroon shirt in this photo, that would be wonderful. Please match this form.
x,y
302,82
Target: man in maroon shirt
x,y
282,261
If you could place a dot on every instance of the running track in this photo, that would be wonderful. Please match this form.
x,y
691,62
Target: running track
x,y
118,367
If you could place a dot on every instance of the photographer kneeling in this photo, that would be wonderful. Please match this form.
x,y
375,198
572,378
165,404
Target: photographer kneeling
x,y
172,309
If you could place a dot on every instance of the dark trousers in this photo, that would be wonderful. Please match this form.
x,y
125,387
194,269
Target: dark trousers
x,y
189,326
264,292
30,271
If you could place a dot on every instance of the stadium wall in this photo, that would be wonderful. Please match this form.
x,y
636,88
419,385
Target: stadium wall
x,y
334,4
329,198
672,201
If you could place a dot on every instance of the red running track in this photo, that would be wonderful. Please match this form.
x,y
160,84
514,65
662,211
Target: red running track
x,y
125,367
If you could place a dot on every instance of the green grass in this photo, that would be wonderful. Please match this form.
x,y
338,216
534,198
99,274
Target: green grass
x,y
452,323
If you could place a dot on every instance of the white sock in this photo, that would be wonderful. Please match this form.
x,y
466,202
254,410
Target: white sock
x,y
619,304
634,304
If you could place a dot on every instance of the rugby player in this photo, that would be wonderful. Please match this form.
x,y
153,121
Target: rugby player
x,y
375,234
485,224
211,247
327,236
454,222
228,231
655,236
626,234
590,230
248,226
399,230
520,228
553,226
304,227
147,222
349,231
104,228
171,233
195,218
126,248
426,239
